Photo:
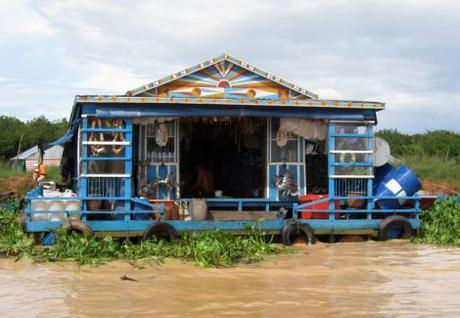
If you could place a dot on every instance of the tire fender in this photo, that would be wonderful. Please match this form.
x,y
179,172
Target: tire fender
x,y
160,230
395,222
50,238
77,226
293,230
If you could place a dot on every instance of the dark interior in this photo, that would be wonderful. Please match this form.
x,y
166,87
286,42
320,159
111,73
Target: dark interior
x,y
231,150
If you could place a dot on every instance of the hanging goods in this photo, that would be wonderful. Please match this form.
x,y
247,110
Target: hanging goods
x,y
161,135
117,136
96,149
281,138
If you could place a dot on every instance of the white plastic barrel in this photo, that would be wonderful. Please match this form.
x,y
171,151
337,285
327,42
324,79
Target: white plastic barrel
x,y
42,206
56,206
73,205
199,209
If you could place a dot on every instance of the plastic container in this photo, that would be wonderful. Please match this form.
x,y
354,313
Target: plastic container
x,y
39,205
199,209
356,203
400,182
381,172
140,207
73,205
318,206
57,206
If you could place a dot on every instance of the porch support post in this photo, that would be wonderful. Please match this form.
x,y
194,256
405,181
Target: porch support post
x,y
128,167
331,169
370,181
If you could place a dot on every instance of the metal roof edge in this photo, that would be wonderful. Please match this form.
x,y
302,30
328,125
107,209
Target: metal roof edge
x,y
323,103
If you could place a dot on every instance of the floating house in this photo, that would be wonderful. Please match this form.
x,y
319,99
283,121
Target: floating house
x,y
249,143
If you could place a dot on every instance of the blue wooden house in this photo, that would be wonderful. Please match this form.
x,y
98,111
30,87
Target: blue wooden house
x,y
269,148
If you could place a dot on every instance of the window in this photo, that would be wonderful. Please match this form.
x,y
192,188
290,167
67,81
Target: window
x,y
286,149
160,142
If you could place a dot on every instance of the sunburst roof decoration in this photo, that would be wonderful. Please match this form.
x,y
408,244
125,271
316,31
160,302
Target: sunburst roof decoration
x,y
218,65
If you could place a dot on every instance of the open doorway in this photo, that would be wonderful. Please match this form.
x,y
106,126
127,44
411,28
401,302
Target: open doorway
x,y
223,155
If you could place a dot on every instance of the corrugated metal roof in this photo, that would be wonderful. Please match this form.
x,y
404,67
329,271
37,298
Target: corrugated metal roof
x,y
54,152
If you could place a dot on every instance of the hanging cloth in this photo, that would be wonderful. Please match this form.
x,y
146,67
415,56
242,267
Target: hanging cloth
x,y
306,128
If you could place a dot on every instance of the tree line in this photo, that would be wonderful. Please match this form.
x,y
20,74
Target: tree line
x,y
39,130
437,143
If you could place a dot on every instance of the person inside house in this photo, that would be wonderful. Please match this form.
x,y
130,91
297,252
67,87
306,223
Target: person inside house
x,y
203,185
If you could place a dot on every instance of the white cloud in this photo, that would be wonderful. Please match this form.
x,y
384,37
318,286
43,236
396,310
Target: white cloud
x,y
19,19
401,53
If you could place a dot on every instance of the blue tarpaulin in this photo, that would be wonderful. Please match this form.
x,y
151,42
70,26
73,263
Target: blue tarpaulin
x,y
67,136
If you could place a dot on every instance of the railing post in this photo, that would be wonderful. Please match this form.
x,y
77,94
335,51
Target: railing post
x,y
331,169
128,166
370,181
84,167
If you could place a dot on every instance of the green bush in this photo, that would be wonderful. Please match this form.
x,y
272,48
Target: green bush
x,y
441,224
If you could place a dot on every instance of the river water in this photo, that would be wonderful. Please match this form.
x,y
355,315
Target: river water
x,y
371,279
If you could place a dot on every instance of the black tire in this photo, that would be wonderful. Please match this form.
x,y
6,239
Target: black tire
x,y
78,227
292,231
395,227
50,238
160,231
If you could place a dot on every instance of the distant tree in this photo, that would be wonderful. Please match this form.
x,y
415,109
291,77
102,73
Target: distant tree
x,y
398,142
10,132
439,143
36,131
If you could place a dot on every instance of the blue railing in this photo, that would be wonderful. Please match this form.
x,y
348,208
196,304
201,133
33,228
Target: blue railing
x,y
306,207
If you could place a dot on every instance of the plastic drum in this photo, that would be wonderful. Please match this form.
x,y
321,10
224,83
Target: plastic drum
x,y
400,182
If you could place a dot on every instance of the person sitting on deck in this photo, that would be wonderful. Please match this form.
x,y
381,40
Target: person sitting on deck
x,y
204,184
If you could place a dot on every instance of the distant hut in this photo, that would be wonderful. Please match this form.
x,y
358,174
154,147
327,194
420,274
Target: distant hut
x,y
29,158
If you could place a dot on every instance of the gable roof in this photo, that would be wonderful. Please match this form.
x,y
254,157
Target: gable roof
x,y
54,152
213,62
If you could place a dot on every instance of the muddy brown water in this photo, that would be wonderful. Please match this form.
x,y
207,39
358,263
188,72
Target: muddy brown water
x,y
371,279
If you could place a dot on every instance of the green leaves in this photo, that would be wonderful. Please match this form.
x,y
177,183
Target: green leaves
x,y
207,249
441,224
12,240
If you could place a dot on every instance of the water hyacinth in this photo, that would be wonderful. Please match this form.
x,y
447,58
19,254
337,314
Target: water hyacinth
x,y
208,249
441,224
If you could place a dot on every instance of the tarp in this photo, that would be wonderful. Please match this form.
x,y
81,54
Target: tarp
x,y
178,110
67,136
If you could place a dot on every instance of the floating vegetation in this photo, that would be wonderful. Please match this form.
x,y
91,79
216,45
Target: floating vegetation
x,y
208,249
441,224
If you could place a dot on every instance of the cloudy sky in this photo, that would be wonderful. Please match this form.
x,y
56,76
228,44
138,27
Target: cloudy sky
x,y
403,53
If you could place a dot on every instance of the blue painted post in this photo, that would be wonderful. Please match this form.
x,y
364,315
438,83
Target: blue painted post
x,y
128,166
84,169
331,169
370,181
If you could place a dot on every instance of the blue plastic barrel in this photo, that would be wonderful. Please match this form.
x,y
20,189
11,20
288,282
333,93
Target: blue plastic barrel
x,y
381,172
399,182
49,239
